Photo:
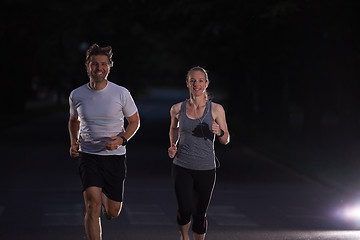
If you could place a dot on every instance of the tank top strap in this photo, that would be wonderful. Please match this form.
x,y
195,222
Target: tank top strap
x,y
208,105
208,110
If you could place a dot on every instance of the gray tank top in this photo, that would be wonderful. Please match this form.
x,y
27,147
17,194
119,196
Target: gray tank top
x,y
196,141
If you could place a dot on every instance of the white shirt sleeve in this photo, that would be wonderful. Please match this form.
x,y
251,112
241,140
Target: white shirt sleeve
x,y
129,106
73,111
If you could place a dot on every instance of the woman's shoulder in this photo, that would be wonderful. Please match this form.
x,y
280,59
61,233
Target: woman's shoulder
x,y
217,106
175,109
217,109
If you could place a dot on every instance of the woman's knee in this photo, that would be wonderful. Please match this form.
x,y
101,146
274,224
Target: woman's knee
x,y
199,224
183,218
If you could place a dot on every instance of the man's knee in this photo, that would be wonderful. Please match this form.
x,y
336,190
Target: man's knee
x,y
92,205
93,208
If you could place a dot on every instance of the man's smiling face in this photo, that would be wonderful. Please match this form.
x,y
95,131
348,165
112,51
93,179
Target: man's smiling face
x,y
98,68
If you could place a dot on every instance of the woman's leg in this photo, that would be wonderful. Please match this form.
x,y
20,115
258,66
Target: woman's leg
x,y
198,236
203,185
183,184
184,231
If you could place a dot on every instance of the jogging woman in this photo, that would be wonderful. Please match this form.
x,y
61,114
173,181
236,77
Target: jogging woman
x,y
195,123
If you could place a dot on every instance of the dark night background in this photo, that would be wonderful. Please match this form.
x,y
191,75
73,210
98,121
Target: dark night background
x,y
286,72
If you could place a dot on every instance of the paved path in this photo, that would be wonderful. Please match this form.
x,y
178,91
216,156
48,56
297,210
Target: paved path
x,y
253,199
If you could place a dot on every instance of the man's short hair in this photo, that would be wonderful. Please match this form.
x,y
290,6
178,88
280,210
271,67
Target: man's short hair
x,y
96,50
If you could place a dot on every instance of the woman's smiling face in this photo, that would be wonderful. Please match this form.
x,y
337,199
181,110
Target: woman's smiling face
x,y
197,83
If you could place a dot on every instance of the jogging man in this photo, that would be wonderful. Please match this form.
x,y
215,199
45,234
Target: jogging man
x,y
98,138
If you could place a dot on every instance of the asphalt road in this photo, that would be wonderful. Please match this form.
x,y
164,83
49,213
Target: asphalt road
x,y
253,198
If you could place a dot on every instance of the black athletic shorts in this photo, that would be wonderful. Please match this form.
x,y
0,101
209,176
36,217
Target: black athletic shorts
x,y
107,172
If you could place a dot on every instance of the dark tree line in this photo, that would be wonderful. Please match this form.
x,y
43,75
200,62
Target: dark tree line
x,y
279,64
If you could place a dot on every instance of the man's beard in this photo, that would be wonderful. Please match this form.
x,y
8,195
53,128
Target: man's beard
x,y
96,78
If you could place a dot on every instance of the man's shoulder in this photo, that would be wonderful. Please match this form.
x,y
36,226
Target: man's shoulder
x,y
79,89
117,87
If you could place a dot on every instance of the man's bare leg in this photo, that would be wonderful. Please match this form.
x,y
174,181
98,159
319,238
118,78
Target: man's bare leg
x,y
112,208
92,198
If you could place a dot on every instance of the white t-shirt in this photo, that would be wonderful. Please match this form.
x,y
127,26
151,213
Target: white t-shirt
x,y
101,114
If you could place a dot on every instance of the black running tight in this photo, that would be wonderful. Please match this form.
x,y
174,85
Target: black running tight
x,y
193,189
